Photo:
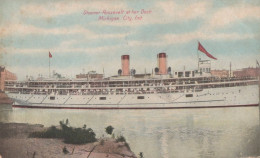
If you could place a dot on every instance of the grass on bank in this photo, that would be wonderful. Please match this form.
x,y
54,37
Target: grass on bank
x,y
69,134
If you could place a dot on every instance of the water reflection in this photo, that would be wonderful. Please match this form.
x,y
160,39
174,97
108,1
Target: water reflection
x,y
219,132
251,142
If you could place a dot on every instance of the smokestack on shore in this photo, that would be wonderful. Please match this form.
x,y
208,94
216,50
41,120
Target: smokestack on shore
x,y
125,65
162,63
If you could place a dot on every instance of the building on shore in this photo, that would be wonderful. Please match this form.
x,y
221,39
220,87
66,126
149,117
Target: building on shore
x,y
244,72
247,72
5,75
220,73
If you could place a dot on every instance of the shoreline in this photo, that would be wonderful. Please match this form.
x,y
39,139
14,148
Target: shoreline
x,y
15,143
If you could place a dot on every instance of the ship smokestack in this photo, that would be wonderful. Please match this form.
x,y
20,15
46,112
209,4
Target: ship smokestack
x,y
162,63
125,65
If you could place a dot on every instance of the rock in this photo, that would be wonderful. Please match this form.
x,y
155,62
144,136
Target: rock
x,y
15,143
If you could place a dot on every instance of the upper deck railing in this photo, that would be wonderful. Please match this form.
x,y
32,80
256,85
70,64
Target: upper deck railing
x,y
126,84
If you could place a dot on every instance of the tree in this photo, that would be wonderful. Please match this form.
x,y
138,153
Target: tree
x,y
141,155
109,130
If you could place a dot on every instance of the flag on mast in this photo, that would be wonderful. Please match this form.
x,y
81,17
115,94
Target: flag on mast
x,y
203,50
50,56
257,63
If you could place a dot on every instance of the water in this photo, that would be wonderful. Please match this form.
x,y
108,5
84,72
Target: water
x,y
216,132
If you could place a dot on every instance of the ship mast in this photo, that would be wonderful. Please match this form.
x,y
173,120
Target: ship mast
x,y
198,58
230,69
49,68
50,56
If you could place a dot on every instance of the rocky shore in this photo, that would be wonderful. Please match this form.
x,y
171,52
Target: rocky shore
x,y
4,99
14,142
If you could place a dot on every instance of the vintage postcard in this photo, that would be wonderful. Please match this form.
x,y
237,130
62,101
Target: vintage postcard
x,y
123,78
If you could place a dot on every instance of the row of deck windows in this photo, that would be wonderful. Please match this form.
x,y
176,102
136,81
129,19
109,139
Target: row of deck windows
x,y
101,98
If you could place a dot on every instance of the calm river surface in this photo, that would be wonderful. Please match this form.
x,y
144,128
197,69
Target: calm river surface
x,y
216,132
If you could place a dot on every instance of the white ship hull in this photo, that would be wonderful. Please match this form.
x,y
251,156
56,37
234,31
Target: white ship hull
x,y
214,97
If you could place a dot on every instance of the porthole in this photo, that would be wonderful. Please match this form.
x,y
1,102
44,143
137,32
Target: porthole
x,y
102,98
140,97
189,95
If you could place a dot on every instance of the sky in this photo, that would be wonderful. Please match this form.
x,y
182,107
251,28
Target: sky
x,y
80,40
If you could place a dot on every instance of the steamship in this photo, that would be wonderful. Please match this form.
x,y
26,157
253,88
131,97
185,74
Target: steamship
x,y
163,89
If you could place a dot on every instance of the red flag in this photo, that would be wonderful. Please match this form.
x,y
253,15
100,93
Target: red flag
x,y
50,56
203,50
